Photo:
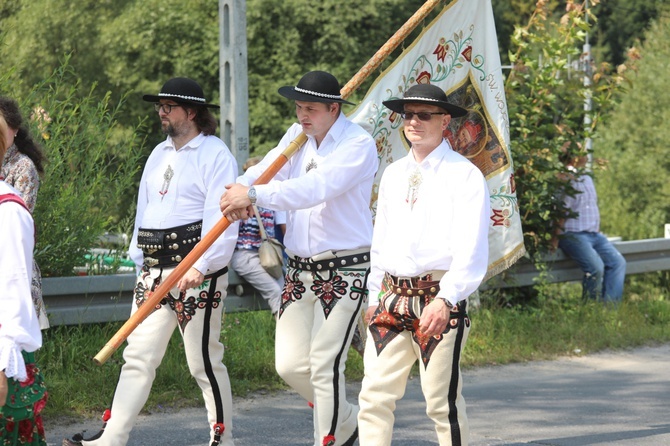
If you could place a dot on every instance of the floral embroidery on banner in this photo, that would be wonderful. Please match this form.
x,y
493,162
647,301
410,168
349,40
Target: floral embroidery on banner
x,y
506,195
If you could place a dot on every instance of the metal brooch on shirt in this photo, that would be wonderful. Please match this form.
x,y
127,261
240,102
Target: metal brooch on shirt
x,y
311,165
167,177
414,181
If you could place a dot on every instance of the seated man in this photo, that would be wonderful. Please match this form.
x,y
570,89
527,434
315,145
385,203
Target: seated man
x,y
580,238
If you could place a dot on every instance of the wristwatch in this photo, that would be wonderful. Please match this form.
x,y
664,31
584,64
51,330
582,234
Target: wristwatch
x,y
447,303
252,195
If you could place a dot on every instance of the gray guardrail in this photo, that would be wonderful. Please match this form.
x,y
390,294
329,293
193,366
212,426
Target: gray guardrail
x,y
91,299
642,256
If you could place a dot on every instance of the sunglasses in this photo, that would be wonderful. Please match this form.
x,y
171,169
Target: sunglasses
x,y
422,116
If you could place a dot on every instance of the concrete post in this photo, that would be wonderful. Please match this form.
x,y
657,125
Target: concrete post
x,y
233,82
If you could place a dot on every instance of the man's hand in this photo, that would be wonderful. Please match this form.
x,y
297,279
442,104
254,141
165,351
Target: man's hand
x,y
235,203
193,278
434,318
368,314
3,388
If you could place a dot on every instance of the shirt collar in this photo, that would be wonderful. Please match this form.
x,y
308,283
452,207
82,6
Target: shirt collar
x,y
336,131
433,158
192,144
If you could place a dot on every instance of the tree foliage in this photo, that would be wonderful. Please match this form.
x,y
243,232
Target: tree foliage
x,y
131,46
338,36
634,190
87,177
620,24
546,95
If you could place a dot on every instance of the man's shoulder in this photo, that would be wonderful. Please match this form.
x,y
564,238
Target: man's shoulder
x,y
355,130
458,161
213,142
399,164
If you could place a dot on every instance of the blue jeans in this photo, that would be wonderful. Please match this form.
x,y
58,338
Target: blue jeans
x,y
604,267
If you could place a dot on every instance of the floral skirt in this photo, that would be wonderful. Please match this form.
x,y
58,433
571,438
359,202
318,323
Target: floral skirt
x,y
20,417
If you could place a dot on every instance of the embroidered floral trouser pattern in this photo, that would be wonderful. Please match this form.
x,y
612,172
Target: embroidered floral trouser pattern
x,y
317,319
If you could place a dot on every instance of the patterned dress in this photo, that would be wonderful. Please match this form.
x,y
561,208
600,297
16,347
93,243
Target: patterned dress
x,y
19,171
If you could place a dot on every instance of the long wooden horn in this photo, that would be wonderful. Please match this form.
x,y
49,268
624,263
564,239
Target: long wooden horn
x,y
199,249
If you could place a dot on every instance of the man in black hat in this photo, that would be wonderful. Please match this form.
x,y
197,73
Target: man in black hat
x,y
325,189
429,252
177,203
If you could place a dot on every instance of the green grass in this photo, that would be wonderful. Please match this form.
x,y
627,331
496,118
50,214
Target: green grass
x,y
558,325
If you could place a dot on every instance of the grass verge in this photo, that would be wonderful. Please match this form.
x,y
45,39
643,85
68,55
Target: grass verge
x,y
560,325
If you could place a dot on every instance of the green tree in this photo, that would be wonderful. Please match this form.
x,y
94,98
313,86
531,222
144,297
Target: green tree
x,y
634,191
151,41
87,177
40,33
620,24
338,36
545,104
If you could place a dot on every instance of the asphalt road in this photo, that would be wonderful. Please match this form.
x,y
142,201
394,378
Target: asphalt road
x,y
612,398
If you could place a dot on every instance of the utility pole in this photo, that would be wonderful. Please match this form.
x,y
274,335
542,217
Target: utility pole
x,y
233,82
587,68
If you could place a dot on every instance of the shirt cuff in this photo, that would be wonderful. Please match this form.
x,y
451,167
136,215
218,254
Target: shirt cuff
x,y
11,360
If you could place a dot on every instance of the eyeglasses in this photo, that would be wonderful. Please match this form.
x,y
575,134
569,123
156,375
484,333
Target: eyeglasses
x,y
422,116
167,108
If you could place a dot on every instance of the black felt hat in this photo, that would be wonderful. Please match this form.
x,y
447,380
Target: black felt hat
x,y
315,86
181,90
425,94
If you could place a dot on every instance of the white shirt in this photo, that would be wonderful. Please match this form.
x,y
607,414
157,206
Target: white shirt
x,y
325,191
200,171
19,326
447,228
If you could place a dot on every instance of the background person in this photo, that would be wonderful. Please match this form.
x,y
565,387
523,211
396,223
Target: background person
x,y
246,261
22,390
580,238
22,167
178,201
325,189
429,253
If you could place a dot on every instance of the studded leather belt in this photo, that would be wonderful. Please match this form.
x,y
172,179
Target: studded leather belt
x,y
425,285
335,262
168,247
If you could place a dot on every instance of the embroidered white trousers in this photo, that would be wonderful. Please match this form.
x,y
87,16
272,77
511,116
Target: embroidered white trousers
x,y
198,315
317,321
385,381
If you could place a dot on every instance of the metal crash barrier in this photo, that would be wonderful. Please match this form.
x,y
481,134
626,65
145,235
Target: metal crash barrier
x,y
107,298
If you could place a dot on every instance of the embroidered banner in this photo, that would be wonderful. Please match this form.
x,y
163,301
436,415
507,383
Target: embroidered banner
x,y
458,51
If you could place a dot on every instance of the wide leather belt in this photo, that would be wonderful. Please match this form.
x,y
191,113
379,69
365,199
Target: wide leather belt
x,y
168,247
424,285
309,264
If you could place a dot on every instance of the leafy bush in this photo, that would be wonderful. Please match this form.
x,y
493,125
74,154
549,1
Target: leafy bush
x,y
91,171
634,191
546,96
